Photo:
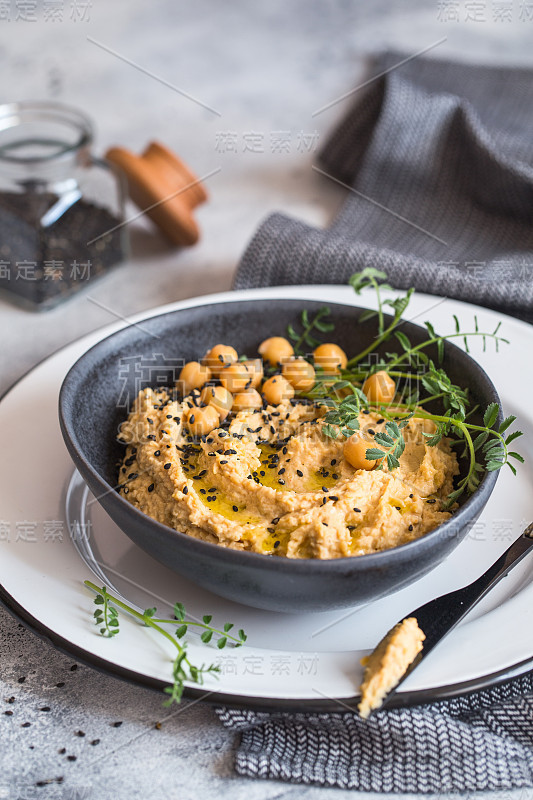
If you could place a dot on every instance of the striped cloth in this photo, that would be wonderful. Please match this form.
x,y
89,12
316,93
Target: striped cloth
x,y
437,160
480,741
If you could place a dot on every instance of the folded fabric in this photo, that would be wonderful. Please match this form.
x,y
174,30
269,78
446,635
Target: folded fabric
x,y
437,159
480,741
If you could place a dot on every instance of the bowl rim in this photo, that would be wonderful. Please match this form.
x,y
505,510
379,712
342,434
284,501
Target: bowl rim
x,y
451,527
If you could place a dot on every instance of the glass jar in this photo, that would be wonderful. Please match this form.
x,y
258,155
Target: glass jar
x,y
61,209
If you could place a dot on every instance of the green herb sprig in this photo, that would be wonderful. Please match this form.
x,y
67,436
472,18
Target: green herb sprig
x,y
106,615
391,439
319,322
420,381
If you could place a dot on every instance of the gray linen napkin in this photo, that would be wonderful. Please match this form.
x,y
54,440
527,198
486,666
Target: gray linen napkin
x,y
439,157
480,741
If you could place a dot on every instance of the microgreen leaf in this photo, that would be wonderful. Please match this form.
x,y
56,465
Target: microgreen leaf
x,y
491,415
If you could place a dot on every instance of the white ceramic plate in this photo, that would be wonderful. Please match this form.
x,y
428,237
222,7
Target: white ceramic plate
x,y
290,660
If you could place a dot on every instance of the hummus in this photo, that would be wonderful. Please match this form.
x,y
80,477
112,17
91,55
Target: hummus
x,y
387,664
272,482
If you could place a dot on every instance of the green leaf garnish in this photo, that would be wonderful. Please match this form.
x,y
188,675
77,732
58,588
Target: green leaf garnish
x,y
106,616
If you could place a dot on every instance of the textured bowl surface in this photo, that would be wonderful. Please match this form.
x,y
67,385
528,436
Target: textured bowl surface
x,y
95,398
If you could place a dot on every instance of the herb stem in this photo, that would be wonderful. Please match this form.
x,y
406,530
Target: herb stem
x,y
436,339
198,625
136,614
371,347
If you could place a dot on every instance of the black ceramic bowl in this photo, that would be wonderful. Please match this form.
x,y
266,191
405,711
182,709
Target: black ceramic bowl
x,y
94,401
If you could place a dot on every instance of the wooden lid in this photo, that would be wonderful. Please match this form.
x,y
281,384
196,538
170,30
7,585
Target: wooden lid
x,y
164,188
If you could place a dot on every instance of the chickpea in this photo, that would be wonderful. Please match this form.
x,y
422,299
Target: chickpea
x,y
193,376
355,452
255,368
379,387
247,401
219,398
236,377
331,358
276,389
300,374
219,357
275,350
201,421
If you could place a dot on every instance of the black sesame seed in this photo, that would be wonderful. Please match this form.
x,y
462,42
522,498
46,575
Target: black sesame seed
x,y
223,462
281,471
410,527
357,510
62,751
12,699
276,544
431,501
45,708
74,667
151,437
299,473
71,758
325,524
81,734
335,476
169,416
158,452
380,422
351,527
281,481
150,420
398,508
411,496
372,432
334,498
235,508
25,725
151,487
325,489
275,521
8,713
95,741
116,724
185,490
167,465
